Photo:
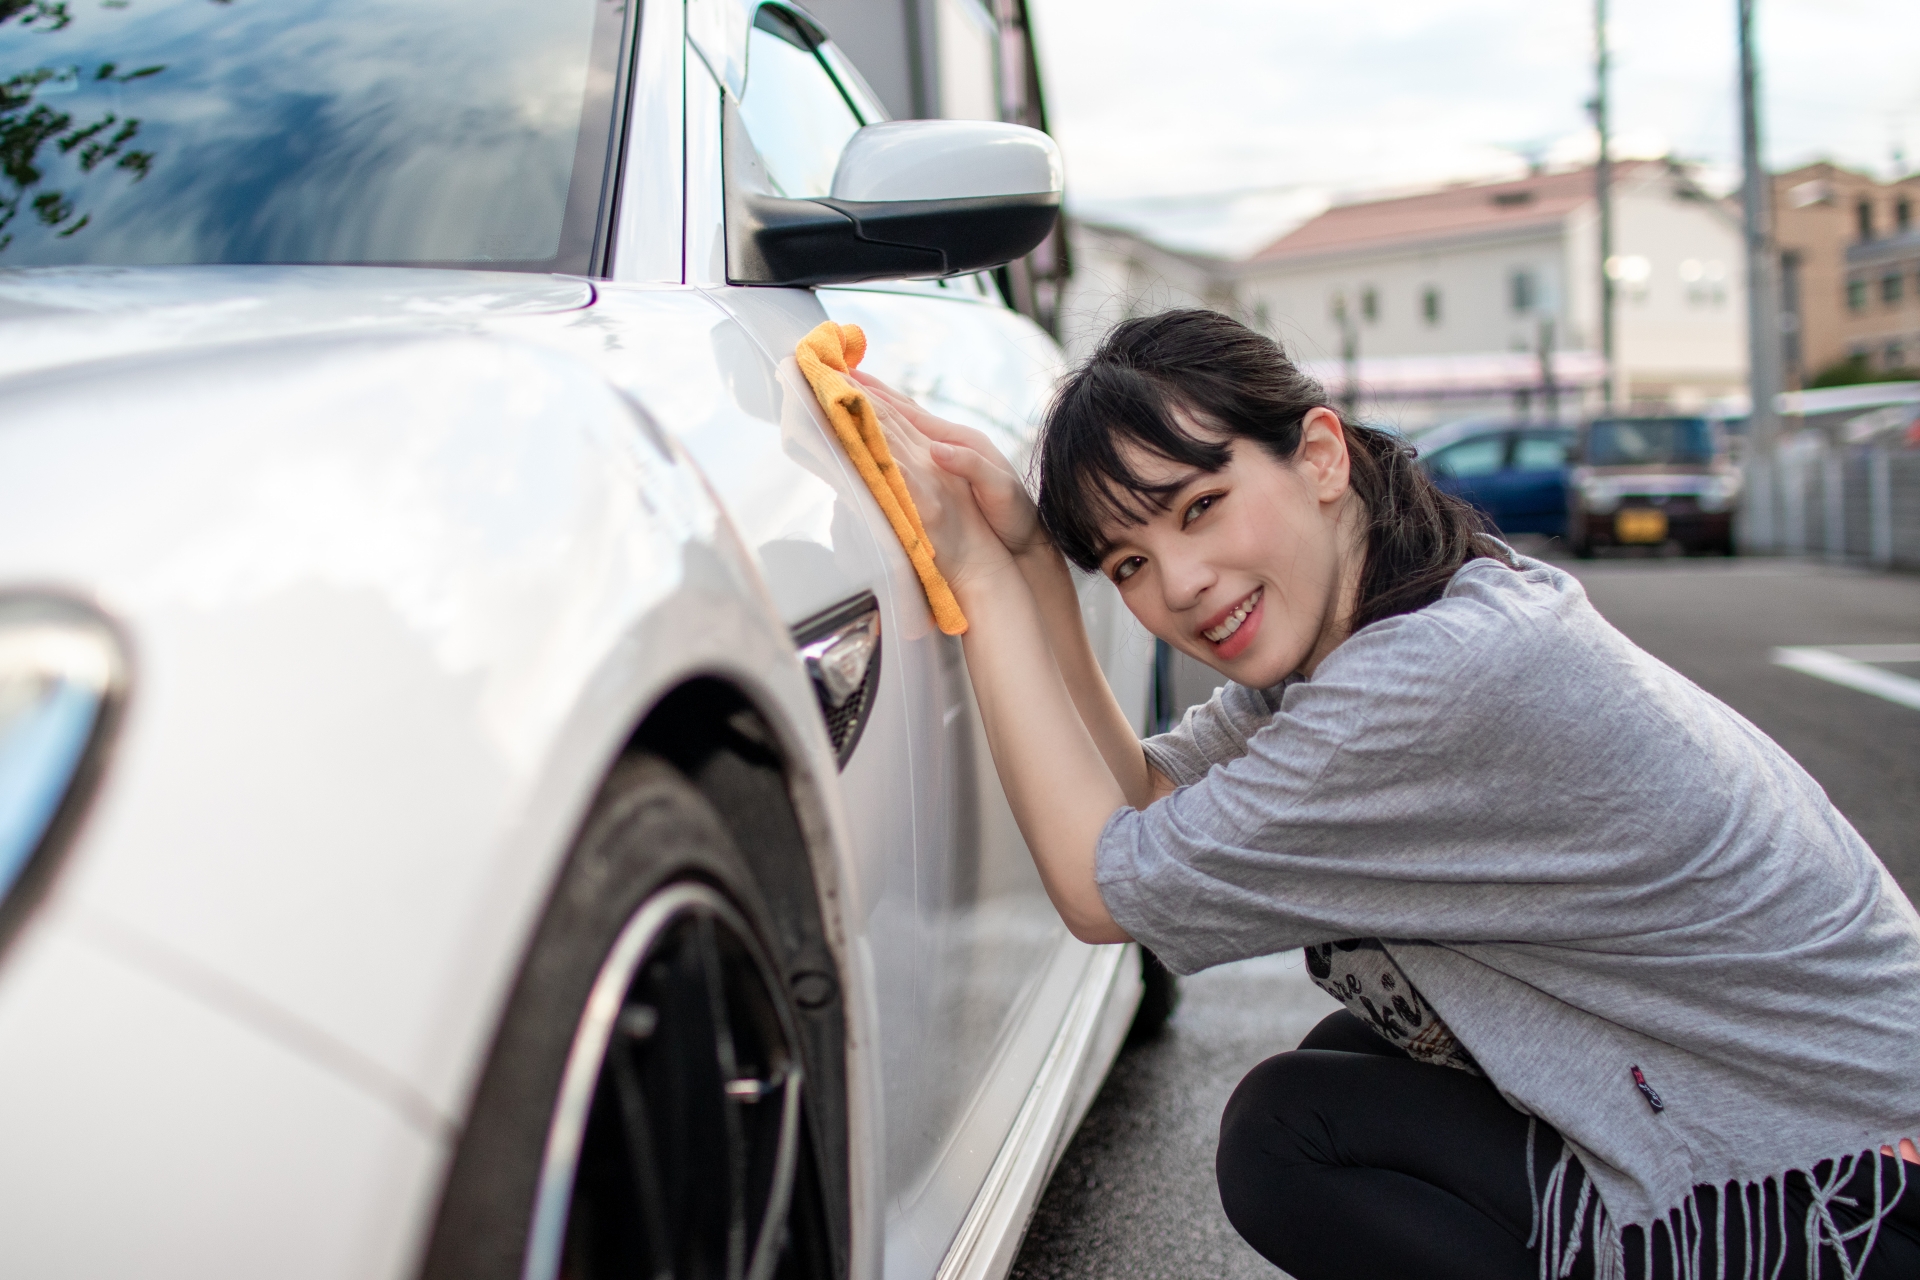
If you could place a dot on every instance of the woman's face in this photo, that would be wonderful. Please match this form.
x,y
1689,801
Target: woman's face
x,y
1252,569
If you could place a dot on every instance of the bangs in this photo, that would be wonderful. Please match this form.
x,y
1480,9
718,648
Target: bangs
x,y
1088,490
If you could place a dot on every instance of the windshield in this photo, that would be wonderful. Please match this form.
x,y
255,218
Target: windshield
x,y
419,132
1633,442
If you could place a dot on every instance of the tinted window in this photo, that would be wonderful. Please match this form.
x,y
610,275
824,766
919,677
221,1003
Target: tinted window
x,y
795,113
1540,453
1631,442
1469,458
392,131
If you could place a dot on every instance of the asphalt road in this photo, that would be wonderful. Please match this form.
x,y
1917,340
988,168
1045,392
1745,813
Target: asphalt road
x,y
1133,1197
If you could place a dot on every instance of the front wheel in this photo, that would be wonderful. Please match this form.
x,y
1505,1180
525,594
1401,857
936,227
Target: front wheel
x,y
644,1109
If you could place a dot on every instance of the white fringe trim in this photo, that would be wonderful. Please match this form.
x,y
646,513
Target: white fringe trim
x,y
1560,1235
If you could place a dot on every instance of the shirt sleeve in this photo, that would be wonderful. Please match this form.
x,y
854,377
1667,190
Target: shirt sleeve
x,y
1213,732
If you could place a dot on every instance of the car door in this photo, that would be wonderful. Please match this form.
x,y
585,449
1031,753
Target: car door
x,y
1536,483
973,969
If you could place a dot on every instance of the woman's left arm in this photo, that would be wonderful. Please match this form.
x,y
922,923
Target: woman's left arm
x,y
1003,499
1057,780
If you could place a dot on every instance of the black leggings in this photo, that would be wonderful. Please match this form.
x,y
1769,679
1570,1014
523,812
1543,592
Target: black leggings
x,y
1347,1158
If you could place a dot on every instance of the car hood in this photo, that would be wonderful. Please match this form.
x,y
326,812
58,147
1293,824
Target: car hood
x,y
56,316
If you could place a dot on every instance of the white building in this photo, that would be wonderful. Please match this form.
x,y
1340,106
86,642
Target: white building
x,y
1475,298
1118,274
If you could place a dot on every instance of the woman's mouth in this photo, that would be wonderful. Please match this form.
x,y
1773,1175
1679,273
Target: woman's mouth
x,y
1233,633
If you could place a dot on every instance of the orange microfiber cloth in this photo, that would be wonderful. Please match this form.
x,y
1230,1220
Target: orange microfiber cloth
x,y
827,356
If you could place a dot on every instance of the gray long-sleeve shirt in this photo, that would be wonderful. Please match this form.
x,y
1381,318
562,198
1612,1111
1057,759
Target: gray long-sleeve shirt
x,y
1585,862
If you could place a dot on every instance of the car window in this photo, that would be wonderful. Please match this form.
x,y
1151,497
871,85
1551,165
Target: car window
x,y
144,132
1634,442
1481,456
793,109
1540,453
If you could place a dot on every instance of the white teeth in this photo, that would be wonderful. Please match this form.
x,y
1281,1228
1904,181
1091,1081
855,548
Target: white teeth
x,y
1234,619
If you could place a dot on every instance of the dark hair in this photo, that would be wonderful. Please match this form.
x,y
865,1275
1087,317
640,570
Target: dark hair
x,y
1234,383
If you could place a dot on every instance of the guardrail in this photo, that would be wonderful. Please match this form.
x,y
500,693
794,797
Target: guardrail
x,y
1849,503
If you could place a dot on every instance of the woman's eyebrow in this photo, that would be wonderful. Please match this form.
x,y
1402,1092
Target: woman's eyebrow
x,y
1177,490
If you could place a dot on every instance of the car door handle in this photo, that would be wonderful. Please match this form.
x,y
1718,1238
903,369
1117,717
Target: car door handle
x,y
840,650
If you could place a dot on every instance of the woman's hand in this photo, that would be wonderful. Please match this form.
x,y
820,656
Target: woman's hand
x,y
965,545
971,456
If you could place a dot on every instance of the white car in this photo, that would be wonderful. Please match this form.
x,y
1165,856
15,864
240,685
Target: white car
x,y
481,792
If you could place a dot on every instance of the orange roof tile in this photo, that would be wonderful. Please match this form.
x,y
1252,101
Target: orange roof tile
x,y
1450,211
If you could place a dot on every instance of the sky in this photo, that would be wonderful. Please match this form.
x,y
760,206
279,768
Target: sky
x,y
1220,130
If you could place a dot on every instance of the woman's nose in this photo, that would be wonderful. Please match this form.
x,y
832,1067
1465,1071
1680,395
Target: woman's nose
x,y
1185,581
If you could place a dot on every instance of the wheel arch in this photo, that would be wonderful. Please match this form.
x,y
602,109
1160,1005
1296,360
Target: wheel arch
x,y
724,741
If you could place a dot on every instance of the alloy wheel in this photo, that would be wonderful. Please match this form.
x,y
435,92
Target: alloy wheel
x,y
677,1132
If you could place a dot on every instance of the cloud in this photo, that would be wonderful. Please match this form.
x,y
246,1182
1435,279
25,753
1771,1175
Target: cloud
x,y
1280,96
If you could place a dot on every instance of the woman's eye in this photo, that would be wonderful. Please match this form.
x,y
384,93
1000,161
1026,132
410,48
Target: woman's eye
x,y
1196,507
1127,568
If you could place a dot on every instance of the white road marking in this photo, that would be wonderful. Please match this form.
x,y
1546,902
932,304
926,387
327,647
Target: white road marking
x,y
1876,652
1848,665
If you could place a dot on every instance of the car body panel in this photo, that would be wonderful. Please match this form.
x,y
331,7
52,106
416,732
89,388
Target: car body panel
x,y
203,1108
73,315
280,635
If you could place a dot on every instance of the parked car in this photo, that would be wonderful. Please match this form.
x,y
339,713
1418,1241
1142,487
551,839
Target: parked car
x,y
1650,481
1516,472
481,792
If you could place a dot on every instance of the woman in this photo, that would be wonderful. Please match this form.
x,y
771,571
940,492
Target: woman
x,y
1624,993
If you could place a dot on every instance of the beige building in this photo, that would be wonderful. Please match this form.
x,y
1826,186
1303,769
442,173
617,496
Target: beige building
x,y
1849,271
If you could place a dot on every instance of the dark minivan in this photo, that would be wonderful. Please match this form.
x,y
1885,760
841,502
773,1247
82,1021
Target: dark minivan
x,y
1651,481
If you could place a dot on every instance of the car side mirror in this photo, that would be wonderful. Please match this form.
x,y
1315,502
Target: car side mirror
x,y
910,198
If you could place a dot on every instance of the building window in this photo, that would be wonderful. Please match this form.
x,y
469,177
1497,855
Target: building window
x,y
1369,305
1863,213
1706,281
1856,295
1890,288
1895,356
1903,216
1430,305
1522,293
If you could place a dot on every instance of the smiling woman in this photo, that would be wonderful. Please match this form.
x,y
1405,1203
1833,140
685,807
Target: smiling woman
x,y
143,132
1625,996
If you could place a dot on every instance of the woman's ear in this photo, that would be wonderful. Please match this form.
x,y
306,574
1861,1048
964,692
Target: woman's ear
x,y
1322,455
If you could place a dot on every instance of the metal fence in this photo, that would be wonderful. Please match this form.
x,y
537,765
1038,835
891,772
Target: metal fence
x,y
1857,503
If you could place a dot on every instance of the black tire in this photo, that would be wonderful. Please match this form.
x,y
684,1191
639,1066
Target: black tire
x,y
1157,1002
662,1164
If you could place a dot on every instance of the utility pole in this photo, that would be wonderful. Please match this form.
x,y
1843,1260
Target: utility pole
x,y
1763,325
1549,387
1349,359
1603,196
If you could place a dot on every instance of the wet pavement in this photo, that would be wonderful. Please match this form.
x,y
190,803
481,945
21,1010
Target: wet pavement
x,y
1134,1194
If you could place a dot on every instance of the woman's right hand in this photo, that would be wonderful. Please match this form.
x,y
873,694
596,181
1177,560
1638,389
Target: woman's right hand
x,y
970,455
